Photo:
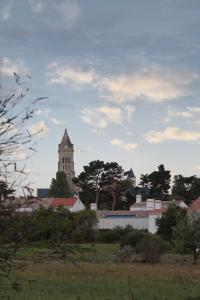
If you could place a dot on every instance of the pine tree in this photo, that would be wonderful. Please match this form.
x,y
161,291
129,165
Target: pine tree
x,y
59,187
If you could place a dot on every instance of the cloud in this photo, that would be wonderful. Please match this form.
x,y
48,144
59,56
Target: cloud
x,y
44,113
70,13
123,145
197,168
190,111
171,133
7,10
39,129
9,67
102,116
130,110
66,75
155,85
37,6
57,122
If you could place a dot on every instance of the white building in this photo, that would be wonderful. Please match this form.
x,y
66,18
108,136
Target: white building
x,y
142,215
73,204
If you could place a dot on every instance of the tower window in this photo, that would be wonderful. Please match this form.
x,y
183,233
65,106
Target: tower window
x,y
68,159
63,159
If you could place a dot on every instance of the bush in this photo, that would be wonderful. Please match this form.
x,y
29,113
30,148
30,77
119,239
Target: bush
x,y
125,253
151,247
133,237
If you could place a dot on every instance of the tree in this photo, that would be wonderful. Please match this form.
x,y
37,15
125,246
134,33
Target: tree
x,y
59,187
112,180
187,188
158,183
16,145
168,221
89,181
187,235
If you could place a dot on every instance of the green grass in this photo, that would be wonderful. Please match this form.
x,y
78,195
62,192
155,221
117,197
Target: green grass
x,y
97,279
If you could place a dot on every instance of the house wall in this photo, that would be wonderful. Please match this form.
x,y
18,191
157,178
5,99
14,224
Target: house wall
x,y
78,206
110,222
152,227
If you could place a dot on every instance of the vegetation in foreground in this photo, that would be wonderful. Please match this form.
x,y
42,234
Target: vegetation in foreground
x,y
100,275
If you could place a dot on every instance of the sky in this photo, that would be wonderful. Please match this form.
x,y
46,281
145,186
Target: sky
x,y
122,76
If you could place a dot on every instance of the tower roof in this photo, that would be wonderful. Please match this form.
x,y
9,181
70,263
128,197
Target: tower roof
x,y
66,140
130,174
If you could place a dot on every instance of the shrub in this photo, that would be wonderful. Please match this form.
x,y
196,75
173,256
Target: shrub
x,y
151,247
125,253
133,237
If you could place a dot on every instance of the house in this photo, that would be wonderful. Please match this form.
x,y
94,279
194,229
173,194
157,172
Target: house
x,y
142,215
195,206
73,204
30,205
152,204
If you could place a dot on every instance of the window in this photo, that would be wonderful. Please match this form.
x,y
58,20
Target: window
x,y
63,159
68,159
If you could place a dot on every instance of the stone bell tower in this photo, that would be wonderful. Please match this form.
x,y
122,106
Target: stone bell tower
x,y
66,159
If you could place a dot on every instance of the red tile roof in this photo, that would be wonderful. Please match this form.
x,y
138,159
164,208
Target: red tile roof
x,y
69,202
157,211
195,206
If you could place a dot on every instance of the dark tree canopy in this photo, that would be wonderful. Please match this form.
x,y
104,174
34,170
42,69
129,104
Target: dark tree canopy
x,y
89,180
105,184
59,187
169,220
157,183
187,188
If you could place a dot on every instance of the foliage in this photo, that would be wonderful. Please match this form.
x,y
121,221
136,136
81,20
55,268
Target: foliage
x,y
133,237
125,253
187,235
112,181
169,220
59,187
151,248
89,180
105,184
187,188
16,145
157,183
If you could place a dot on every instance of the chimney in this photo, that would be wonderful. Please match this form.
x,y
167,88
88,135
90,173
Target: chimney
x,y
150,204
138,199
93,206
157,204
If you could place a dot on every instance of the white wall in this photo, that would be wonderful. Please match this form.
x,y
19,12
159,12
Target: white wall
x,y
152,227
110,222
78,206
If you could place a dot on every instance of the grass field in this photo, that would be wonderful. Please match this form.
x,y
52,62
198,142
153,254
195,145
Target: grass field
x,y
95,279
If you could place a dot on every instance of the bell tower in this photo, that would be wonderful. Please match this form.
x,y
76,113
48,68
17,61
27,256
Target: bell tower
x,y
66,159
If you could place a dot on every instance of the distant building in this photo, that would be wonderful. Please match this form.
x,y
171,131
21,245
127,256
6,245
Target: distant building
x,y
66,159
42,193
73,204
142,215
131,177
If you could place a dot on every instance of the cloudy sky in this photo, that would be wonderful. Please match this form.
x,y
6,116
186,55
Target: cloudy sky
x,y
122,76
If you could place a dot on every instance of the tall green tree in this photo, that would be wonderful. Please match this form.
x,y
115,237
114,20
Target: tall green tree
x,y
187,188
89,181
157,183
59,187
169,220
112,181
187,235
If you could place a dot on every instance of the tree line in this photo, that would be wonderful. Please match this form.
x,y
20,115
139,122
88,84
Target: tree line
x,y
107,184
